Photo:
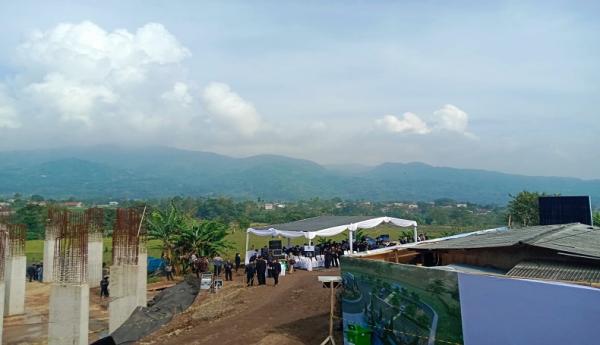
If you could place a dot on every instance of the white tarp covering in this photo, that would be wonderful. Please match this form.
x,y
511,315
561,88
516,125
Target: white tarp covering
x,y
336,230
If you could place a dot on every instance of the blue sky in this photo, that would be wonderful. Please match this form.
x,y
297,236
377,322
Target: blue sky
x,y
508,86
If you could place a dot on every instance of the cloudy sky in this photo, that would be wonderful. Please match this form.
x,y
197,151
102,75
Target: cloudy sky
x,y
508,86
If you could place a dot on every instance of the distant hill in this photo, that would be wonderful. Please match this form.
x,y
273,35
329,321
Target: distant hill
x,y
115,172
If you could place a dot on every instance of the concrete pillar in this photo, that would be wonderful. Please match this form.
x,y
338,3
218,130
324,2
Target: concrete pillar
x,y
14,293
95,247
68,320
142,278
48,272
123,293
1,308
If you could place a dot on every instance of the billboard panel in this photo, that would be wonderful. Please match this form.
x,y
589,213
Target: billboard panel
x,y
565,209
387,303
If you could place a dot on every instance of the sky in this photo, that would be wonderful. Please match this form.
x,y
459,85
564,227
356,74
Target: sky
x,y
511,86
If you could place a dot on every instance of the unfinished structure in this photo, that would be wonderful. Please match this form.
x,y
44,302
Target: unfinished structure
x,y
95,220
124,273
15,269
70,294
142,272
49,241
3,243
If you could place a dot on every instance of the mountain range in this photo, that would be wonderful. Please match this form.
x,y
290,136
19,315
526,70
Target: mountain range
x,y
118,173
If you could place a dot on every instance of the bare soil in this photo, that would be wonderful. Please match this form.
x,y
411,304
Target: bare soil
x,y
32,327
294,312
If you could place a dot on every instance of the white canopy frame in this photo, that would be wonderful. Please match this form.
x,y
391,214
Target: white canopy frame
x,y
332,231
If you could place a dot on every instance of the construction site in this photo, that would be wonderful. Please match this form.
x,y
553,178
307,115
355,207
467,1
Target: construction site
x,y
66,306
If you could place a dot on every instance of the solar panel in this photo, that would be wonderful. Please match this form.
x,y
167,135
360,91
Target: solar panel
x,y
565,209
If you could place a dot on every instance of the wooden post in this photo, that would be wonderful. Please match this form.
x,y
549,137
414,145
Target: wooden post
x,y
331,311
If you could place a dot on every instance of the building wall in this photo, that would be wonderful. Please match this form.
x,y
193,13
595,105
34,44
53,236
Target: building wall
x,y
503,258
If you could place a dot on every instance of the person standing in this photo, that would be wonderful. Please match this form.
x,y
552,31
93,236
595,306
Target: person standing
x,y
261,267
275,271
31,272
218,264
238,261
40,272
334,257
228,270
169,270
250,271
104,287
327,258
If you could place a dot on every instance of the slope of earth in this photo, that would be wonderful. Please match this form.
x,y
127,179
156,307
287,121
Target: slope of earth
x,y
295,312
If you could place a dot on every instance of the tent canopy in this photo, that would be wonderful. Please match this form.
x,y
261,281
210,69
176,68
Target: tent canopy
x,y
326,226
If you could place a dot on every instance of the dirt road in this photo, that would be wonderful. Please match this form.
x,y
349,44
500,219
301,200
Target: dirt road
x,y
294,312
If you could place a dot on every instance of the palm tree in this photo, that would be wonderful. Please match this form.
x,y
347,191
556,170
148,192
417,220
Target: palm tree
x,y
207,238
165,226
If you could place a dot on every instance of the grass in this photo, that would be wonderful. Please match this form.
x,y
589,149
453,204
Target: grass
x,y
34,249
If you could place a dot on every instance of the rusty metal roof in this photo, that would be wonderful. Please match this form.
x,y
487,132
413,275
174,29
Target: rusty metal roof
x,y
550,270
576,238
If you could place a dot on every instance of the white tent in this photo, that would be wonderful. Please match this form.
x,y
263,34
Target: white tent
x,y
326,226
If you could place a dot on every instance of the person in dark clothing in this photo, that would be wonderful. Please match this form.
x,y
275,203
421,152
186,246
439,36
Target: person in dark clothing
x,y
238,261
104,287
228,270
261,267
275,271
327,258
30,273
250,271
334,257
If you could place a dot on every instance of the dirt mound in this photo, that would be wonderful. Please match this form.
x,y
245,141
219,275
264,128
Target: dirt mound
x,y
294,312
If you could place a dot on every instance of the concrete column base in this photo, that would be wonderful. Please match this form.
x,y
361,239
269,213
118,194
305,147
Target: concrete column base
x,y
123,293
68,320
142,279
47,274
14,292
94,263
1,308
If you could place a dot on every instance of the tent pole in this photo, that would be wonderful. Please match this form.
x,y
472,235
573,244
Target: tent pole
x,y
350,240
247,243
416,235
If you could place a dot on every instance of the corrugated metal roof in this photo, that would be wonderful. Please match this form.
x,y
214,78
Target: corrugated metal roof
x,y
550,270
574,238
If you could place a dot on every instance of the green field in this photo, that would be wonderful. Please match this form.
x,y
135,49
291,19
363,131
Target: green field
x,y
34,249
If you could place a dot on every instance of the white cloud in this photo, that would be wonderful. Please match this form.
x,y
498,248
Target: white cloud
x,y
451,118
85,51
72,100
228,108
410,123
448,118
117,84
9,117
179,94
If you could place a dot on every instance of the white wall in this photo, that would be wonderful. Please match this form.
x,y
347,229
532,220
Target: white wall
x,y
14,292
68,319
48,260
506,311
94,262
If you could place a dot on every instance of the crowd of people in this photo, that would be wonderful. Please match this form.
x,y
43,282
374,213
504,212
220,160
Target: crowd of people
x,y
35,272
262,268
263,265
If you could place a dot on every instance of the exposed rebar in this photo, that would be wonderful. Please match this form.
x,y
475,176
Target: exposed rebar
x,y
71,248
127,237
